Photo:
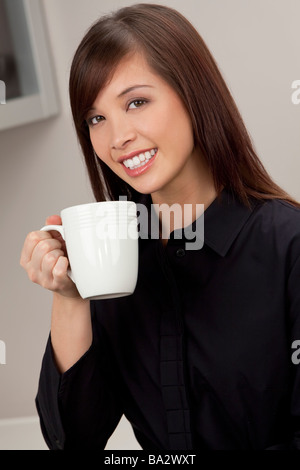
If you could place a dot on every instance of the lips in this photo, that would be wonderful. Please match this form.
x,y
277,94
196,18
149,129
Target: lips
x,y
139,163
139,160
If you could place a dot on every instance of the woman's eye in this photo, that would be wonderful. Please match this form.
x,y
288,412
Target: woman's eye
x,y
136,104
95,120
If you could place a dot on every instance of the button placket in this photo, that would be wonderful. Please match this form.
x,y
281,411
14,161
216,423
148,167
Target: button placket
x,y
172,382
171,360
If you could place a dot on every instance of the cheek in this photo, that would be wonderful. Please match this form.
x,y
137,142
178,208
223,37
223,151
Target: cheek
x,y
178,132
99,146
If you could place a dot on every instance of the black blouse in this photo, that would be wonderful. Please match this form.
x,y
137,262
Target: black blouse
x,y
203,355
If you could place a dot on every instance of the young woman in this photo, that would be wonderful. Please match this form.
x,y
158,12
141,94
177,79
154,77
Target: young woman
x,y
203,355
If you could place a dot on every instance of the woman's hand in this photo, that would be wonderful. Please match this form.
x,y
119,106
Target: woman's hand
x,y
44,258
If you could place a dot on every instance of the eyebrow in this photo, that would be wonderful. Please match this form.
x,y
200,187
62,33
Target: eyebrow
x,y
124,92
132,88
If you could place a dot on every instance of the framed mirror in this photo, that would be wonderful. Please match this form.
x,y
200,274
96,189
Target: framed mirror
x,y
28,91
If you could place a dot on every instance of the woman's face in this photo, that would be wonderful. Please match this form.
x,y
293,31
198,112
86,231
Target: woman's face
x,y
141,130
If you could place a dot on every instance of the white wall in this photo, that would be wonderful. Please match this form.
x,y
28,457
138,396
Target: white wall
x,y
257,45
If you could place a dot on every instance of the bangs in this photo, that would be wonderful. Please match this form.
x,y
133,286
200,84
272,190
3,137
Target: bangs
x,y
95,63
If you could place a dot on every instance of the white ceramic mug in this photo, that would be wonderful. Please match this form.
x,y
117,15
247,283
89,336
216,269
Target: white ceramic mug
x,y
102,245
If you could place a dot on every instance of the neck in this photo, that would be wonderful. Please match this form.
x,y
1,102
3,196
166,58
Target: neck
x,y
182,202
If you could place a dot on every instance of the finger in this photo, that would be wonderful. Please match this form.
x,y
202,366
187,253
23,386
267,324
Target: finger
x,y
60,271
48,263
53,220
61,280
34,268
43,248
31,241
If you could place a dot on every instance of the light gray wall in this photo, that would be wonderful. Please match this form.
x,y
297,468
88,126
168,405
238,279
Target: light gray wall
x,y
257,46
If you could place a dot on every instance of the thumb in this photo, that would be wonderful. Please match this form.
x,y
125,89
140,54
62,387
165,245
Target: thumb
x,y
53,220
56,220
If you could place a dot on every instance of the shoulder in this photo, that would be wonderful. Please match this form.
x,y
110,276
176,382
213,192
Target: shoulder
x,y
285,207
277,213
276,224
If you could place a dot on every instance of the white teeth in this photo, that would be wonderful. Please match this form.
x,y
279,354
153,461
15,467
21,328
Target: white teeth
x,y
139,160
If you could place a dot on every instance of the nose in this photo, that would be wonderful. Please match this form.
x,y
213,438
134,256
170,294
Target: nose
x,y
123,133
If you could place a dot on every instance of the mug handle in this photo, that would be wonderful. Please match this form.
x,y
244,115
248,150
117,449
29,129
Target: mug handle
x,y
60,229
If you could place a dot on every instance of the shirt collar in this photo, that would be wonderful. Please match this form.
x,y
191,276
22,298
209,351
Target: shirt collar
x,y
223,220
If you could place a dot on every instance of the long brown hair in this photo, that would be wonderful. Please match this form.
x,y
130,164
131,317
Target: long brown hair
x,y
176,51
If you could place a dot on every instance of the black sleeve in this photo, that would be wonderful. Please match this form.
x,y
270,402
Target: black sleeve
x,y
294,320
293,296
81,408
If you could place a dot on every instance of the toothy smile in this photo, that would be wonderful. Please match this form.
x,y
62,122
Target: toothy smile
x,y
139,160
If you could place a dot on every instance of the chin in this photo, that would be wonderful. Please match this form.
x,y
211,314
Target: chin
x,y
145,188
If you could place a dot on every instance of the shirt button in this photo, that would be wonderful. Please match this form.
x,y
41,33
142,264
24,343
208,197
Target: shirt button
x,y
180,253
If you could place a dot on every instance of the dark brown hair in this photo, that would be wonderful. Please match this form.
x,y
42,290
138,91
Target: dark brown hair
x,y
175,50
